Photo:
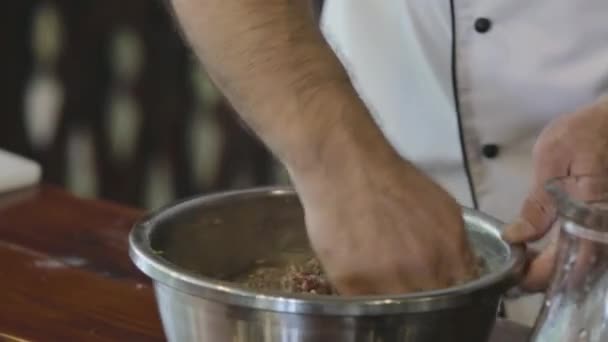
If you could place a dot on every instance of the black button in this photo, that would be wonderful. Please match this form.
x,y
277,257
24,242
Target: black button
x,y
490,151
483,25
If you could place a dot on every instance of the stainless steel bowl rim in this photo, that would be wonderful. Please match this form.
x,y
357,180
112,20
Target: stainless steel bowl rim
x,y
163,271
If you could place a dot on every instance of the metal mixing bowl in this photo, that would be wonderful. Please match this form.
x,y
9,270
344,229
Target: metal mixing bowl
x,y
189,247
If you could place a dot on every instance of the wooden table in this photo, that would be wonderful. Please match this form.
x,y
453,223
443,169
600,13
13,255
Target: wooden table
x,y
65,274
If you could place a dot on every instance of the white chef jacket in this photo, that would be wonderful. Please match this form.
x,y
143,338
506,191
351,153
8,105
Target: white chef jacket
x,y
468,110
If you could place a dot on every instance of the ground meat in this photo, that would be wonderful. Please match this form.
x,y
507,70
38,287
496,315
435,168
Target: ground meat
x,y
301,277
306,278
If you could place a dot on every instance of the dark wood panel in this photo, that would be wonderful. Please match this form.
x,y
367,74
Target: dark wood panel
x,y
162,91
15,68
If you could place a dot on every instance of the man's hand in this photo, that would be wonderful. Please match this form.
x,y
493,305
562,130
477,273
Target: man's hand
x,y
380,226
575,144
377,223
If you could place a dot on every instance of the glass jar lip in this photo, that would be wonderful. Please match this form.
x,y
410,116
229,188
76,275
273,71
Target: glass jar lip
x,y
585,214
579,231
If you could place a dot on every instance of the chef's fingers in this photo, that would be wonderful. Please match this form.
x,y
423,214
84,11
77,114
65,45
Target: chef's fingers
x,y
579,257
518,291
518,231
536,218
541,269
537,213
581,260
593,191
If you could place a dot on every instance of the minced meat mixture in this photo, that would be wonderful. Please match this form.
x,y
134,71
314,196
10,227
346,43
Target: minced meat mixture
x,y
299,277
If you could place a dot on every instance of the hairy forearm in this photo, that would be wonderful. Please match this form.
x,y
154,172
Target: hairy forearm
x,y
269,58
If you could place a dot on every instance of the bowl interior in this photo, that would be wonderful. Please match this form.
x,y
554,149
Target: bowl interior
x,y
220,238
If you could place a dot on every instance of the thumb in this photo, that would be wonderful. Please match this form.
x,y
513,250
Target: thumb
x,y
537,213
536,218
540,269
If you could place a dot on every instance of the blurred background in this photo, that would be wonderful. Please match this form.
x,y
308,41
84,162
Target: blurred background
x,y
105,95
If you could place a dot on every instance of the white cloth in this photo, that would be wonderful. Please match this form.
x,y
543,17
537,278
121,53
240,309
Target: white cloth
x,y
17,172
536,61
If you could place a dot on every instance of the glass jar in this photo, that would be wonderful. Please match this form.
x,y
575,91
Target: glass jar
x,y
576,306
